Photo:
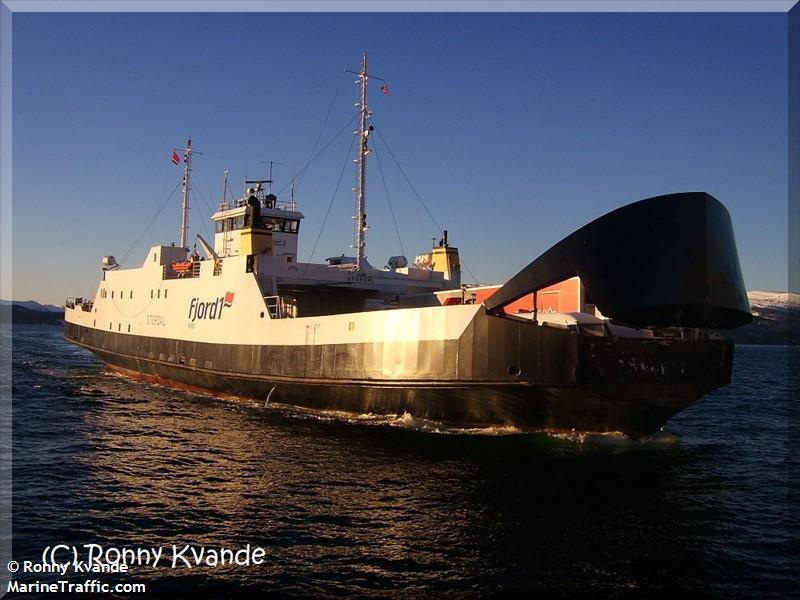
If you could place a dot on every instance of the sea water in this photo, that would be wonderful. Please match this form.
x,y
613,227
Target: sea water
x,y
387,506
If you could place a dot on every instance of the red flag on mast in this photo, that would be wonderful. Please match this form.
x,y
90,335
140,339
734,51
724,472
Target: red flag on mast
x,y
385,89
176,159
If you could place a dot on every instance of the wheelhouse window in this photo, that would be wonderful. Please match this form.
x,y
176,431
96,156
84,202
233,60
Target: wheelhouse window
x,y
282,225
229,224
270,223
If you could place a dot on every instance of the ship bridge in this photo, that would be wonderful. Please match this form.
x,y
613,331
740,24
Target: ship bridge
x,y
260,212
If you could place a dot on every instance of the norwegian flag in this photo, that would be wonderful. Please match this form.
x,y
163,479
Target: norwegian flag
x,y
176,159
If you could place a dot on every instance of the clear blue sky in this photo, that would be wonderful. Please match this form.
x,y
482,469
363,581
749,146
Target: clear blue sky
x,y
515,129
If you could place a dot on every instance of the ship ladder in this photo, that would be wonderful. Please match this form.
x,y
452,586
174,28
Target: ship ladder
x,y
273,306
271,298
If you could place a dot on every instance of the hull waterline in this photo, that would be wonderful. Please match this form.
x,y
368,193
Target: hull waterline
x,y
597,386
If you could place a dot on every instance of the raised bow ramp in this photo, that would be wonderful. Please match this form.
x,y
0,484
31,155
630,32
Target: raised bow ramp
x,y
668,261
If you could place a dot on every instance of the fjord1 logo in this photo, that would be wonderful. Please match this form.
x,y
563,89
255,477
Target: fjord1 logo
x,y
211,309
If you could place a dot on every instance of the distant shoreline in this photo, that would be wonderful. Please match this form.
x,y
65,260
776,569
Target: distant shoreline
x,y
21,315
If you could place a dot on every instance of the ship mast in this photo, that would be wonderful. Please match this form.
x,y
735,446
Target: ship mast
x,y
223,204
187,155
362,133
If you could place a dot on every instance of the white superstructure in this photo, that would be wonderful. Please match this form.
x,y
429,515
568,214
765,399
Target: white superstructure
x,y
251,273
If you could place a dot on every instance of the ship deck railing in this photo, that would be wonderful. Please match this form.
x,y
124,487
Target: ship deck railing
x,y
279,307
83,303
287,205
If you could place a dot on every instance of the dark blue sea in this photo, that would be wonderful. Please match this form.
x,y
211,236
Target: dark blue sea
x,y
401,508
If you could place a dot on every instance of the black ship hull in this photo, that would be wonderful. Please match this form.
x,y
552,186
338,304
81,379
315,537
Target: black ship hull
x,y
499,373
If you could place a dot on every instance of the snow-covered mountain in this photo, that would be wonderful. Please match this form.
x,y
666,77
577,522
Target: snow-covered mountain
x,y
766,301
776,319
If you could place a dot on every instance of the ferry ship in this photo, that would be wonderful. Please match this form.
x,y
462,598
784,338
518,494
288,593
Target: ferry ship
x,y
652,282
